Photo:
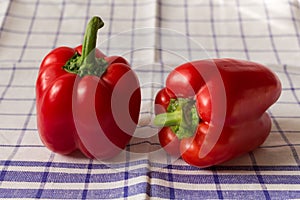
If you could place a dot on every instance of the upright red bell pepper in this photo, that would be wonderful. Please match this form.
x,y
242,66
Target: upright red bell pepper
x,y
85,100
214,110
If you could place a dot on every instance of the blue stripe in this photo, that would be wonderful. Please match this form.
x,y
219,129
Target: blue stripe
x,y
28,33
60,20
256,194
157,191
98,3
9,82
170,179
87,180
141,162
203,35
214,36
259,176
286,140
240,20
187,30
65,177
22,146
294,19
5,17
216,178
175,49
90,165
45,176
271,36
125,175
291,84
19,140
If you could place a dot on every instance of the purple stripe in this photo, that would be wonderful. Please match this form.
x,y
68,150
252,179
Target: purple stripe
x,y
199,20
296,25
170,178
262,179
18,129
286,140
284,102
20,68
186,21
223,4
22,146
290,73
256,194
217,182
18,86
12,60
5,18
87,179
145,3
157,191
110,23
19,32
174,49
20,16
13,69
158,45
126,176
203,34
259,176
66,177
10,157
90,165
278,146
290,88
60,19
133,25
125,48
141,143
271,36
29,31
212,22
146,161
98,3
44,176
15,99
293,117
242,30
143,100
291,84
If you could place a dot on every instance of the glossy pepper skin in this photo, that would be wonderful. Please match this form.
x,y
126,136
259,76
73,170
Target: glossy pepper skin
x,y
86,100
214,110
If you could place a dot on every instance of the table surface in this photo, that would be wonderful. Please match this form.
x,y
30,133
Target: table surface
x,y
154,36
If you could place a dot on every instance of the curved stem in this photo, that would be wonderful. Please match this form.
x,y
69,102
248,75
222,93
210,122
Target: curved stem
x,y
168,119
181,116
87,63
90,39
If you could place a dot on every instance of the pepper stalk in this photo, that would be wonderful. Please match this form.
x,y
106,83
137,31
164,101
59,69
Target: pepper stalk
x,y
181,116
87,63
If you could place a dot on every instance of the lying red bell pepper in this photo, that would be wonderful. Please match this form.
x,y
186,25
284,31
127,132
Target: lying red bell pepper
x,y
214,110
85,100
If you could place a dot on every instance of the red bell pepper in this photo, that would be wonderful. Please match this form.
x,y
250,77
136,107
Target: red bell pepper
x,y
214,110
85,100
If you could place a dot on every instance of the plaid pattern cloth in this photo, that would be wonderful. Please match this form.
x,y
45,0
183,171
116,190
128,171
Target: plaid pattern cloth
x,y
154,36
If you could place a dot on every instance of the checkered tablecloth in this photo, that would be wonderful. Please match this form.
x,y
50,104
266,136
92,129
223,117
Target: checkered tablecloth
x,y
154,36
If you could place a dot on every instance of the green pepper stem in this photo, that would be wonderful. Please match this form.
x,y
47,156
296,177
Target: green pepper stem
x,y
90,39
181,116
168,119
87,63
